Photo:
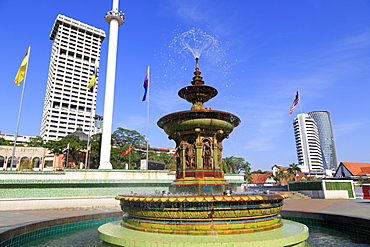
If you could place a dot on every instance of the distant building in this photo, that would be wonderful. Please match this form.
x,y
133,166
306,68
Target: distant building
x,y
11,138
40,157
168,150
326,136
68,103
307,141
350,169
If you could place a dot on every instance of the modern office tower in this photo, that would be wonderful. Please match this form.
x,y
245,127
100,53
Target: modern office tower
x,y
68,103
308,143
326,135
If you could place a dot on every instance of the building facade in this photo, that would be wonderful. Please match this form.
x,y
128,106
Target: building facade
x,y
307,141
326,135
40,158
68,102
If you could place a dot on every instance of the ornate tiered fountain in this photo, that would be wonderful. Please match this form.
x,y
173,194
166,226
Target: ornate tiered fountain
x,y
200,208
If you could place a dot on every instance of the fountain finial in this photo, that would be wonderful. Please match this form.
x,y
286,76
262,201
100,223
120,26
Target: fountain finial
x,y
197,79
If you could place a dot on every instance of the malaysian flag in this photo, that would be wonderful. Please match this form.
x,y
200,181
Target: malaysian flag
x,y
146,84
295,103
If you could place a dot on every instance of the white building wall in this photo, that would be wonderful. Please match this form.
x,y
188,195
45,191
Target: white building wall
x,y
68,103
307,143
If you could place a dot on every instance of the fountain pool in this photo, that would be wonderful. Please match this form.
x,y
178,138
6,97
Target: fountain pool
x,y
88,237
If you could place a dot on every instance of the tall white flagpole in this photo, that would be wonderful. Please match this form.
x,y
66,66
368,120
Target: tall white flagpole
x,y
147,118
20,109
91,119
299,100
115,19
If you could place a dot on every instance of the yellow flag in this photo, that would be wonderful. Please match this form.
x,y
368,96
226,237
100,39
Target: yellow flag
x,y
22,70
93,78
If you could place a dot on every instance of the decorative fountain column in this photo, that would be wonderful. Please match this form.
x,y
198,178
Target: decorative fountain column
x,y
198,134
198,209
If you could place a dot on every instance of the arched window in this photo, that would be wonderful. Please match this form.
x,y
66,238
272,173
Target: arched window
x,y
36,162
10,162
2,161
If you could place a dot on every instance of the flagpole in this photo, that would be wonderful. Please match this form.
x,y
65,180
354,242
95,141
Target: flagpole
x,y
87,166
299,100
20,109
147,118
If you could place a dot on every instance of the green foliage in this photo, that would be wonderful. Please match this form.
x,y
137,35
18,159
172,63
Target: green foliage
x,y
25,165
236,165
5,142
259,172
293,170
76,146
94,154
122,137
35,142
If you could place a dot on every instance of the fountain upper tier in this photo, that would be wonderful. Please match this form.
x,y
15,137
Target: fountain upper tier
x,y
198,116
197,93
198,134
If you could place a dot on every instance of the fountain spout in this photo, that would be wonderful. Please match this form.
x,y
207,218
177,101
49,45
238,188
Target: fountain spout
x,y
197,79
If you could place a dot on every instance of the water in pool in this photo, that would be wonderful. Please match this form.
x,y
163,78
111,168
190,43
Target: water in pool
x,y
89,238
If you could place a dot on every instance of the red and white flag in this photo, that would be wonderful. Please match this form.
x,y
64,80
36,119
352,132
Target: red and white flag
x,y
295,103
127,151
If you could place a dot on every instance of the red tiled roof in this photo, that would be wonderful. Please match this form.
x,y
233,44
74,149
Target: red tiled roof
x,y
259,178
357,168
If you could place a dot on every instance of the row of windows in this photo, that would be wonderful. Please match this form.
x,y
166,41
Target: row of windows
x,y
76,55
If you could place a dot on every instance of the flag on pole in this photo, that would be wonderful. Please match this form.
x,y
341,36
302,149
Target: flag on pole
x,y
94,77
66,149
127,151
146,84
22,70
295,103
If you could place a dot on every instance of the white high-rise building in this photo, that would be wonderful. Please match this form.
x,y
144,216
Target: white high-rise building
x,y
68,103
308,143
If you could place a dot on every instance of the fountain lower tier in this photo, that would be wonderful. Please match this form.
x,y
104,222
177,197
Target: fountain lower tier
x,y
202,215
203,220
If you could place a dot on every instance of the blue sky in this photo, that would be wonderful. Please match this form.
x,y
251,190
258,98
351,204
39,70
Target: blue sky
x,y
267,50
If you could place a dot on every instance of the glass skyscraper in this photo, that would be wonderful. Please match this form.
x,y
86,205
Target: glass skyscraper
x,y
326,136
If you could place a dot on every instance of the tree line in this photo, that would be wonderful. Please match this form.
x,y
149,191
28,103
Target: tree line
x,y
122,140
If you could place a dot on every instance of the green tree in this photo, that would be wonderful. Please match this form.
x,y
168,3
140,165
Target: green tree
x,y
35,142
25,165
236,165
94,153
293,170
4,142
259,172
122,137
76,146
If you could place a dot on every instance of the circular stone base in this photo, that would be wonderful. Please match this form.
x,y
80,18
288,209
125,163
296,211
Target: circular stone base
x,y
290,234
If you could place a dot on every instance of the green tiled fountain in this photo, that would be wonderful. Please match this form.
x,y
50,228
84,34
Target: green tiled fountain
x,y
199,209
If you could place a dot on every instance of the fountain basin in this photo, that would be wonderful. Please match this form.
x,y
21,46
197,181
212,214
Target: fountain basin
x,y
204,119
202,214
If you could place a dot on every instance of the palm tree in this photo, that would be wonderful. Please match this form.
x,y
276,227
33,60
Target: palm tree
x,y
293,170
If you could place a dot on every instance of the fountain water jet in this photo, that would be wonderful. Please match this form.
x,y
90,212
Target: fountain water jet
x,y
200,207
